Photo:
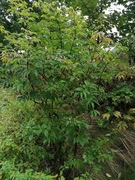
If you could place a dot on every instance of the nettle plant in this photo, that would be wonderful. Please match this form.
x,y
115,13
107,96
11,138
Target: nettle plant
x,y
53,65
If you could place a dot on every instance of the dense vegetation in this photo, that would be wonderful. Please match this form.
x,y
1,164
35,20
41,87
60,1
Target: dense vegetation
x,y
67,91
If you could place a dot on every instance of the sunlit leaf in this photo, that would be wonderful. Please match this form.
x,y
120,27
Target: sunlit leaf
x,y
108,175
117,114
106,116
128,117
132,110
121,75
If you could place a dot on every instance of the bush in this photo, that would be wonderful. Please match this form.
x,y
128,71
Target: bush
x,y
70,96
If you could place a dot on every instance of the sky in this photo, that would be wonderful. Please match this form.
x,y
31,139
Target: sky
x,y
111,9
114,7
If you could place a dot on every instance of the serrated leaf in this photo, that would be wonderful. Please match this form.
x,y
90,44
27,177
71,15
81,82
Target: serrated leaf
x,y
121,75
122,126
106,116
107,40
117,114
128,117
132,110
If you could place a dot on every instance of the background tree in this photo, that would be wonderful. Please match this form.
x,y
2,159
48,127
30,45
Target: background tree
x,y
99,21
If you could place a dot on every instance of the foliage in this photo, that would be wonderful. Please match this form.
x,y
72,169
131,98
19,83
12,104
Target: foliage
x,y
71,95
11,172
